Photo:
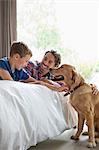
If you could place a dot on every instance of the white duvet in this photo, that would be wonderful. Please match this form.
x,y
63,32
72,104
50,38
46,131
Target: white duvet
x,y
31,113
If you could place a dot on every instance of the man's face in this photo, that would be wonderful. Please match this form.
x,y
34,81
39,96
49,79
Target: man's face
x,y
21,62
48,62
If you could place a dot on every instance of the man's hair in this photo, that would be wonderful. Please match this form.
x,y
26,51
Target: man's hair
x,y
56,55
20,48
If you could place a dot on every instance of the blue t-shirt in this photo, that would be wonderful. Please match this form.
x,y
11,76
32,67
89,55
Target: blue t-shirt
x,y
15,74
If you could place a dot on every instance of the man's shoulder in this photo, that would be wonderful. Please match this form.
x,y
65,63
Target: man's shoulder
x,y
33,63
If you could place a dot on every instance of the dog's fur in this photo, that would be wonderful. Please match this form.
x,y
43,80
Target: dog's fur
x,y
82,99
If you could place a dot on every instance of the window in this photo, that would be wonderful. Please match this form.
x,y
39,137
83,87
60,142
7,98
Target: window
x,y
68,26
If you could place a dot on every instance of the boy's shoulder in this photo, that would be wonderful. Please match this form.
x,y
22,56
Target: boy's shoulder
x,y
4,63
4,59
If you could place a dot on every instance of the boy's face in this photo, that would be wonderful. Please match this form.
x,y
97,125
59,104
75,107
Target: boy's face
x,y
21,62
48,62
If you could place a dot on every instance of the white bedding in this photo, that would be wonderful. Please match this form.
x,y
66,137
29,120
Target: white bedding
x,y
30,114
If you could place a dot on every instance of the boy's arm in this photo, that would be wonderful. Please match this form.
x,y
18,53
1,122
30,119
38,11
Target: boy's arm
x,y
4,74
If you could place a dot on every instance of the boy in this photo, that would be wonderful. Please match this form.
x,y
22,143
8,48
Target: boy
x,y
12,68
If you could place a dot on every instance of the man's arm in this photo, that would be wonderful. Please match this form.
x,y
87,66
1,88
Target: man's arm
x,y
30,80
55,87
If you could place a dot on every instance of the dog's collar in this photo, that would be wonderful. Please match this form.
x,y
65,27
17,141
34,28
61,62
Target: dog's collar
x,y
67,93
71,91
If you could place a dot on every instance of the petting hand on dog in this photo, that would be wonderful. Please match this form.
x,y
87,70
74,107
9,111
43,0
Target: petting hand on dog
x,y
94,89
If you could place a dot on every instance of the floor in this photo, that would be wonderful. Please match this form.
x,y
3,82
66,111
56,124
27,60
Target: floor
x,y
64,142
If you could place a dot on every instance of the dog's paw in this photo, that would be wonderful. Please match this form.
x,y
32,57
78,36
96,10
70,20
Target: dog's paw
x,y
97,140
91,144
74,138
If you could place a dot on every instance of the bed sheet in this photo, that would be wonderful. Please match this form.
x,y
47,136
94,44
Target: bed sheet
x,y
31,113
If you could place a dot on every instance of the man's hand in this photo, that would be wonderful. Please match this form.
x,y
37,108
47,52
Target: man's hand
x,y
63,89
95,91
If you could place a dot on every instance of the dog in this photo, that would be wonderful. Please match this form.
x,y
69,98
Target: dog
x,y
82,99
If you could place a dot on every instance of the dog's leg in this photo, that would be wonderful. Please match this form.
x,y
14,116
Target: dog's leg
x,y
81,120
97,137
96,121
91,132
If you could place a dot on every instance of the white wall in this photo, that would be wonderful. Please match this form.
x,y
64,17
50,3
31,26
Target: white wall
x,y
79,24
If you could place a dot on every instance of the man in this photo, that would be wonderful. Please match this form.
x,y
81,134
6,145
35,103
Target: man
x,y
40,70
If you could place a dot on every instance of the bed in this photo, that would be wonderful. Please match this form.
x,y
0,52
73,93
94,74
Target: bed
x,y
31,113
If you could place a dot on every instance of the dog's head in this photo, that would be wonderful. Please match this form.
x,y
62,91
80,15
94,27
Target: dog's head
x,y
71,77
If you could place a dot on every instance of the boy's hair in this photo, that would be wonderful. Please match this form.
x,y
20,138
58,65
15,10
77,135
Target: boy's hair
x,y
20,48
56,55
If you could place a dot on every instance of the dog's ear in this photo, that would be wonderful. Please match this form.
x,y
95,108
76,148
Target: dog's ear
x,y
77,80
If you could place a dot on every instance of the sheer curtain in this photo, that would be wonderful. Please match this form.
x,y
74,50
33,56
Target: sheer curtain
x,y
7,25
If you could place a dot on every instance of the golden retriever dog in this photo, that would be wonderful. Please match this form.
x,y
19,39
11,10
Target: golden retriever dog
x,y
84,102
